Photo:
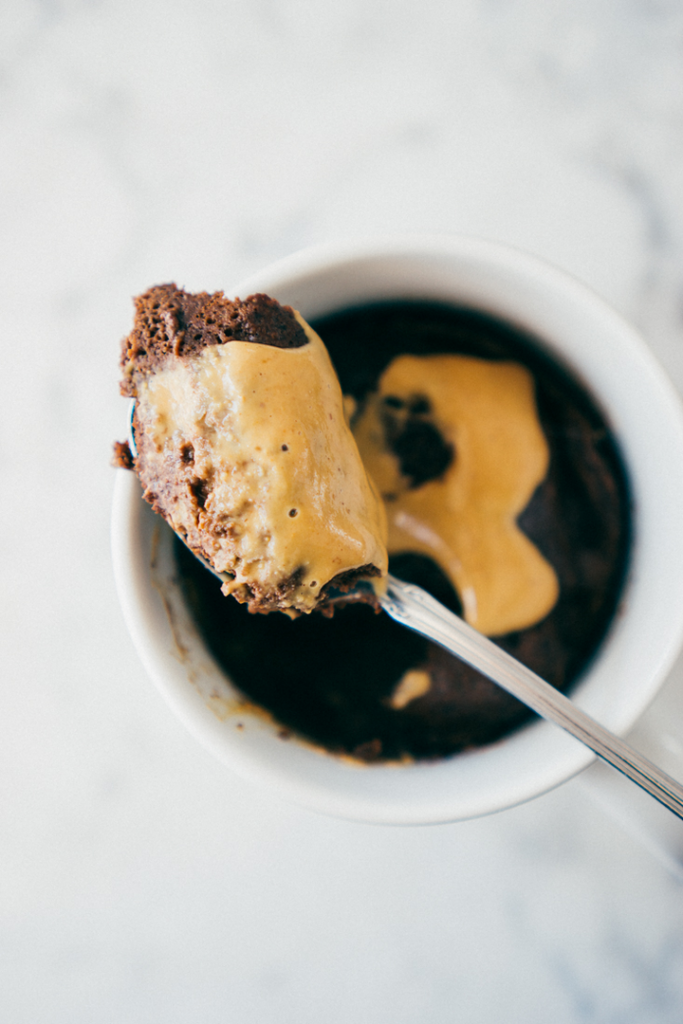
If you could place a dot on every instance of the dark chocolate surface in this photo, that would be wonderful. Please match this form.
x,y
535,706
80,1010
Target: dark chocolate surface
x,y
330,679
173,322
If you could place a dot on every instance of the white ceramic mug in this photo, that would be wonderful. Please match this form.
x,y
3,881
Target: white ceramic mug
x,y
612,362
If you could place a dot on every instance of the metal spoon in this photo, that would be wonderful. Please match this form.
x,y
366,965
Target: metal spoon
x,y
415,608
419,611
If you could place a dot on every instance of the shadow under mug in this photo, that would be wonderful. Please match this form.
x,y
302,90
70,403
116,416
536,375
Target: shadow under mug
x,y
610,360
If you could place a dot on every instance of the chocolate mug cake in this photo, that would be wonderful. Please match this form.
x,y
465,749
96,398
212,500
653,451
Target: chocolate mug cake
x,y
562,324
359,684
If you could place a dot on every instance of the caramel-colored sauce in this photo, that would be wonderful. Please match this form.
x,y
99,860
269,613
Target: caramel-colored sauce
x,y
466,520
414,683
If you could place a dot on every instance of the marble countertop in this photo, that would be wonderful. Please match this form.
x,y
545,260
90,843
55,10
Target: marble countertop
x,y
139,880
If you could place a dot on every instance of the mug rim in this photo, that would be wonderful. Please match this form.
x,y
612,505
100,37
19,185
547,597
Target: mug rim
x,y
563,315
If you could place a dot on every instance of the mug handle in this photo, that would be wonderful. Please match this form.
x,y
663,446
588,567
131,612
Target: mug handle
x,y
659,736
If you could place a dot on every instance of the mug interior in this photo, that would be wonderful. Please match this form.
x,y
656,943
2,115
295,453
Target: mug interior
x,y
608,358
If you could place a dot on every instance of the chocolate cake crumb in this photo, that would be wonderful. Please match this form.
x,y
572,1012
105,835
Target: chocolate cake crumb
x,y
173,322
122,457
370,751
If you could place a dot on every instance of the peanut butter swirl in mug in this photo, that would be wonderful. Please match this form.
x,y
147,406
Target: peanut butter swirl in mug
x,y
494,454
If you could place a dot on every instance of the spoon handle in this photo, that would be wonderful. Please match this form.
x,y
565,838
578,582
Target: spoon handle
x,y
419,611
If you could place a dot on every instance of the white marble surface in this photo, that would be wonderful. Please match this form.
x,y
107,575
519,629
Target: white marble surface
x,y
141,882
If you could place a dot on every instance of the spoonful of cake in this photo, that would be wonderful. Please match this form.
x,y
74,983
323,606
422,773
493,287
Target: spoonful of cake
x,y
240,439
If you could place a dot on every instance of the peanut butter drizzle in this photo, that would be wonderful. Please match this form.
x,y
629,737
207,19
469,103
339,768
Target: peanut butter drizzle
x,y
269,431
414,683
466,520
